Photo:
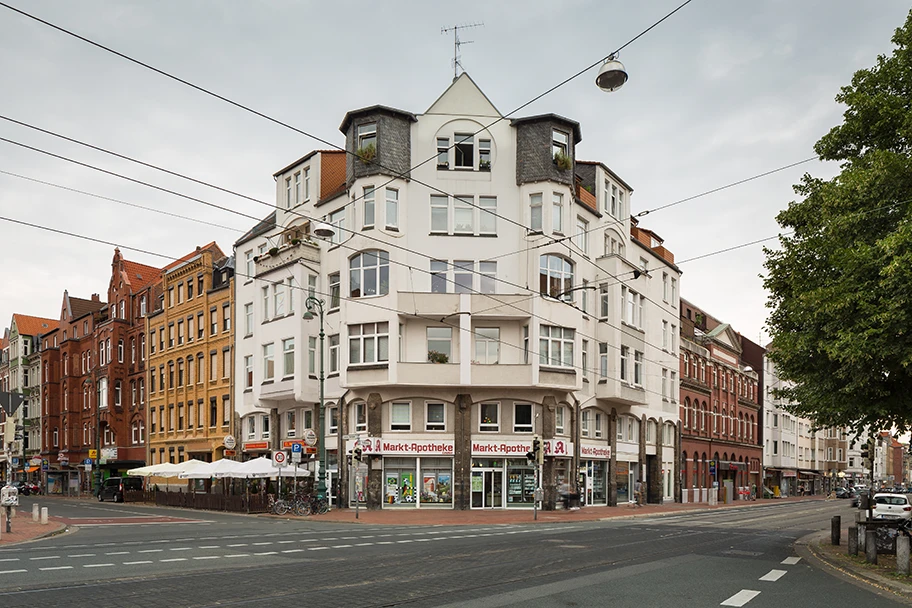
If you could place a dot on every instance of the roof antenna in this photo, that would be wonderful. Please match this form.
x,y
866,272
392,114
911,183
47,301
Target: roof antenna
x,y
457,43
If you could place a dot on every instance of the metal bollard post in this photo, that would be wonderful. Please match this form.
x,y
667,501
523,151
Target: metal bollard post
x,y
902,554
44,516
835,529
35,511
853,540
861,538
870,547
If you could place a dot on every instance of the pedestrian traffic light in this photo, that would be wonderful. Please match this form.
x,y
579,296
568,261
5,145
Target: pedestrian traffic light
x,y
538,450
349,458
357,453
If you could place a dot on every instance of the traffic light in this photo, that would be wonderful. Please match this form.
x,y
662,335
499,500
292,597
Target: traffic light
x,y
537,455
349,459
357,453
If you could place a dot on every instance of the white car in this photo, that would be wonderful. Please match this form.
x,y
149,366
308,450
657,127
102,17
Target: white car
x,y
892,506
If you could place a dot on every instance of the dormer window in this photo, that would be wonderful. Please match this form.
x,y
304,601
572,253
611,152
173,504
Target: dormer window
x,y
464,151
367,135
560,143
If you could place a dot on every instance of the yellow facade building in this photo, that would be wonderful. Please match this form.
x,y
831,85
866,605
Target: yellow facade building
x,y
189,354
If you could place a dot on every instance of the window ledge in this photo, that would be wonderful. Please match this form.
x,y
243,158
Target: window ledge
x,y
558,370
332,375
603,381
266,382
358,367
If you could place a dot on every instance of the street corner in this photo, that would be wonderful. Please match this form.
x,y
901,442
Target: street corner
x,y
24,530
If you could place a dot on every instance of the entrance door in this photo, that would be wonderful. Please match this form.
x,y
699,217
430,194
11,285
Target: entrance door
x,y
487,489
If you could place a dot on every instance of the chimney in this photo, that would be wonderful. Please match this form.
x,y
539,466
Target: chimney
x,y
96,297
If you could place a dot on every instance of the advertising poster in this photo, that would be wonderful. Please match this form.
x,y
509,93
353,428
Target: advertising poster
x,y
407,487
392,488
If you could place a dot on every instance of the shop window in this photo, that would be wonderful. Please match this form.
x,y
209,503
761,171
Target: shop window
x,y
436,481
401,416
490,416
522,418
436,417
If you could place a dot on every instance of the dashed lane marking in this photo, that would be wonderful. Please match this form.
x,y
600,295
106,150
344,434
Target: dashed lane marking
x,y
791,561
773,575
35,559
174,559
137,563
56,568
740,598
93,555
97,565
12,571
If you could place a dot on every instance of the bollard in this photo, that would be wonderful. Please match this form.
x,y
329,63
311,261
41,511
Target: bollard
x,y
858,517
861,538
853,540
902,554
44,516
35,511
870,547
835,529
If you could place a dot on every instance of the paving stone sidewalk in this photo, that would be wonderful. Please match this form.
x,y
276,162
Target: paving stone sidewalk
x,y
24,529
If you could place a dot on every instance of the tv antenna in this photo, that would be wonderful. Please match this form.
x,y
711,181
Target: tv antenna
x,y
458,43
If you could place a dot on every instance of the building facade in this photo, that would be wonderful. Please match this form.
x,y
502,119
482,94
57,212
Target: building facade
x,y
720,410
189,342
497,293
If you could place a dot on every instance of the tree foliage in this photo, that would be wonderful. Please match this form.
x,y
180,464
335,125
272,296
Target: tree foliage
x,y
841,282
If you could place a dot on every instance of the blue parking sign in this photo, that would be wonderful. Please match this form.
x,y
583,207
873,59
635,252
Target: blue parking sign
x,y
296,448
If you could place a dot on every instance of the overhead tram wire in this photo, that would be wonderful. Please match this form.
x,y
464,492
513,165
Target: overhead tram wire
x,y
120,202
617,279
361,301
405,175
493,297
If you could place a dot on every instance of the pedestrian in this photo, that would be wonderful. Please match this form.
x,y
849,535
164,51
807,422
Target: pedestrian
x,y
564,492
638,492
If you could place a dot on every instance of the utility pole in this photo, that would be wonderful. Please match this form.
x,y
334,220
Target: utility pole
x,y
457,43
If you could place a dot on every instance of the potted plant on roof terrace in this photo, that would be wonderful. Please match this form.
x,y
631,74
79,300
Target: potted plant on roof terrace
x,y
367,153
563,161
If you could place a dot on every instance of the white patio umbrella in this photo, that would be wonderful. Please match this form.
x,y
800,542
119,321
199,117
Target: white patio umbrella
x,y
183,467
160,470
262,467
209,469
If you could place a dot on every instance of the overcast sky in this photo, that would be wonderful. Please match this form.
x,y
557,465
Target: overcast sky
x,y
719,92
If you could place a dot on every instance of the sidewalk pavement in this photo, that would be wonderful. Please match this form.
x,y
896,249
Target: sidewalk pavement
x,y
24,529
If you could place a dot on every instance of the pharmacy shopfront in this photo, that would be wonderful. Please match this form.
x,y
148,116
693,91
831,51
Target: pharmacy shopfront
x,y
594,458
416,473
503,477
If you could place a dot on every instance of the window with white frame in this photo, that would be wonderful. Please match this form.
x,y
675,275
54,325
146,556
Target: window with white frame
x,y
463,276
400,416
487,277
306,183
440,341
435,417
264,426
559,417
333,414
369,274
337,221
251,427
333,353
297,188
440,214
625,363
665,336
288,357
289,193
369,207
484,154
535,212
439,276
555,346
278,299
603,359
392,208
557,212
464,151
598,425
487,218
638,368
311,355
464,214
248,319
632,304
359,416
443,152
560,143
487,345
367,136
268,361
335,290
489,419
248,371
291,427
584,362
673,388
603,300
522,417
555,276
584,423
664,385
368,343
581,238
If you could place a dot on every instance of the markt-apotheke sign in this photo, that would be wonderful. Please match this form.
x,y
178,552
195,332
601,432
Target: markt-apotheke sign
x,y
597,452
403,447
553,447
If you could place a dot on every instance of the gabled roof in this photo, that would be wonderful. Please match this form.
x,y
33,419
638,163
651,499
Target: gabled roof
x,y
4,342
332,173
264,225
138,276
614,175
464,97
33,326
78,307
217,254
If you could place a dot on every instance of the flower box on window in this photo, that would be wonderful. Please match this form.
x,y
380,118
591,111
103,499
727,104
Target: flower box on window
x,y
367,153
563,161
437,357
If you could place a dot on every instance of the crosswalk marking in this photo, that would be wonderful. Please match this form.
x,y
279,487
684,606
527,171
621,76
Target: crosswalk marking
x,y
791,561
773,575
740,598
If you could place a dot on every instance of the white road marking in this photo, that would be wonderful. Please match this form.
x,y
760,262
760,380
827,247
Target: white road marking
x,y
91,554
791,561
118,553
10,559
293,550
209,546
341,546
266,553
11,571
180,549
143,551
97,565
364,545
209,557
740,598
57,568
317,548
35,559
237,555
408,540
261,544
773,575
239,545
174,559
145,561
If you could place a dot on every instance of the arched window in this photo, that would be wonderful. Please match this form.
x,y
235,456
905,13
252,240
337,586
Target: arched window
x,y
687,412
369,274
705,410
555,276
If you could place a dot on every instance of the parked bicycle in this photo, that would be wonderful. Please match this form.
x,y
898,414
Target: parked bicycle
x,y
277,506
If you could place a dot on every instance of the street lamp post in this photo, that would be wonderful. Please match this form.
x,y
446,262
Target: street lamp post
x,y
313,303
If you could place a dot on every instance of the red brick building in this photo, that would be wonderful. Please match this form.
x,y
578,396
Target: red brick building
x,y
94,380
720,409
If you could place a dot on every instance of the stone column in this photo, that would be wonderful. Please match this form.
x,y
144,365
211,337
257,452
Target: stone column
x,y
548,423
660,462
374,463
641,444
344,475
679,465
612,462
462,458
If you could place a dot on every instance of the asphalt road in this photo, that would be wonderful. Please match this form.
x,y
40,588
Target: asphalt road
x,y
138,556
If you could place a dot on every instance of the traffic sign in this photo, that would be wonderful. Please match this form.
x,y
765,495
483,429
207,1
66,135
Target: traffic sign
x,y
350,436
296,448
296,457
279,459
93,454
87,461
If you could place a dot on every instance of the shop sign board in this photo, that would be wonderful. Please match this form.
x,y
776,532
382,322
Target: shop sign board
x,y
35,461
403,447
553,447
109,453
310,437
229,442
256,445
596,452
93,454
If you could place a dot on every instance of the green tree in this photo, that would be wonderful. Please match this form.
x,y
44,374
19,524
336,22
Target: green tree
x,y
841,282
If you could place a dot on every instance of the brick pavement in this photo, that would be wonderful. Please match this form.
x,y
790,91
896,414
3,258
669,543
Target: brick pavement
x,y
24,529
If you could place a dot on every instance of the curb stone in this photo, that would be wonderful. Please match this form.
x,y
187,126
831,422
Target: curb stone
x,y
808,547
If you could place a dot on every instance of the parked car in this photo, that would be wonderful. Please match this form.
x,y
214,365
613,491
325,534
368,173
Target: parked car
x,y
892,506
844,493
114,488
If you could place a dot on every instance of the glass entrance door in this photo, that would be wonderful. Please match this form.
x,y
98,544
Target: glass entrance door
x,y
487,489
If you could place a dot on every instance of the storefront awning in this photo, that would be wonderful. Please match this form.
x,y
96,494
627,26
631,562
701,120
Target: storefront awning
x,y
814,473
